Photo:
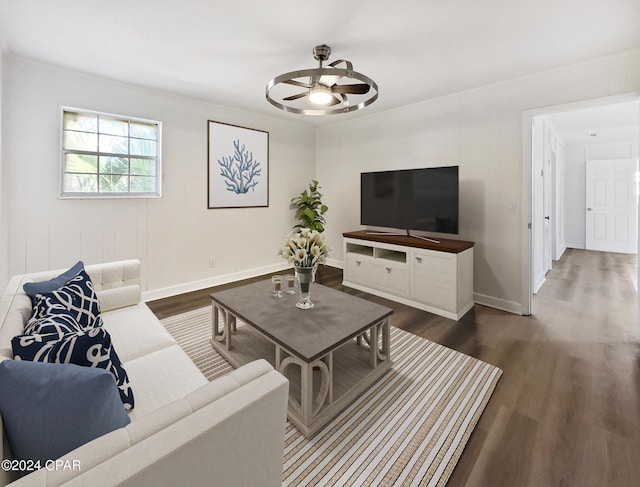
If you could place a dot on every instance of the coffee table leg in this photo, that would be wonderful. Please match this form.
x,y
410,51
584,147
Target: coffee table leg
x,y
306,377
329,360
309,407
373,345
386,339
379,353
228,326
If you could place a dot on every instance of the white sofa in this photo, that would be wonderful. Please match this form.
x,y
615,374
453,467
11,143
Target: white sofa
x,y
184,430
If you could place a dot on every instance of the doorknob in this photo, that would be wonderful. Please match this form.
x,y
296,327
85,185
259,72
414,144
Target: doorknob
x,y
589,209
546,218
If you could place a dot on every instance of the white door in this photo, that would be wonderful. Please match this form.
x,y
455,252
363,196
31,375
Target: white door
x,y
612,205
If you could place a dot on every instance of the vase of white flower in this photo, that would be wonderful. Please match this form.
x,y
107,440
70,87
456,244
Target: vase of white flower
x,y
305,249
304,276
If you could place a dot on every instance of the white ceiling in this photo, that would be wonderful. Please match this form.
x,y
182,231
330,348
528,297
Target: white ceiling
x,y
226,51
609,123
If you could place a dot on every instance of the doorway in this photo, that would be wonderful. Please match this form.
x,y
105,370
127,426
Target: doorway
x,y
558,143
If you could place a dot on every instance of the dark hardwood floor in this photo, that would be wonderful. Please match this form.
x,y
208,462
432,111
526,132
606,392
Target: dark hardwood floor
x,y
566,411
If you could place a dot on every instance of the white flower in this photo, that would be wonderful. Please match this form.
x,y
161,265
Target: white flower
x,y
304,247
315,251
301,254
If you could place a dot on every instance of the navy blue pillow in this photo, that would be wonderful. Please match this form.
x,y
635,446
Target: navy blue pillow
x,y
49,410
33,288
76,297
90,348
60,322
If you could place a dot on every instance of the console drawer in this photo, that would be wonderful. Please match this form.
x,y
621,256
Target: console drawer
x,y
382,274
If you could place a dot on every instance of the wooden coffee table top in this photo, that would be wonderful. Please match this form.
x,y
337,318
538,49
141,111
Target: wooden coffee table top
x,y
309,334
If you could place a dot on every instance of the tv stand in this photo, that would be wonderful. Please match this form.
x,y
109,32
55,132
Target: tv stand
x,y
432,276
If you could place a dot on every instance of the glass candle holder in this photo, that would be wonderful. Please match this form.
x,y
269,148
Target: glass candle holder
x,y
276,286
290,284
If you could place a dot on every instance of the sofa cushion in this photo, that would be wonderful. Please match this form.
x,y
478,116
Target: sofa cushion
x,y
174,376
89,348
42,287
51,409
120,297
61,322
135,331
77,297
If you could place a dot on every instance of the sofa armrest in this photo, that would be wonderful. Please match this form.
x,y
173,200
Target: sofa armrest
x,y
235,439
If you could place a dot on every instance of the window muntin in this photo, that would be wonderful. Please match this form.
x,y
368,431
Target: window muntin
x,y
105,155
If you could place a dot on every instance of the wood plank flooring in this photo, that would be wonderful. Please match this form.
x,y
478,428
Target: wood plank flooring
x,y
566,412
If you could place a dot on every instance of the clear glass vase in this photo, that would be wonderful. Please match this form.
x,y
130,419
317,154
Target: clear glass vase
x,y
304,276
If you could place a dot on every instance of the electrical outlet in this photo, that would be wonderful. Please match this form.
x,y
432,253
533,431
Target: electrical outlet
x,y
212,262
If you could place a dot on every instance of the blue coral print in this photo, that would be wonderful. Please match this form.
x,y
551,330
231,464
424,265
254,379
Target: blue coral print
x,y
240,170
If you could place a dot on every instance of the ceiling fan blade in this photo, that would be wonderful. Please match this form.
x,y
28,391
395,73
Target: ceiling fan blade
x,y
298,83
329,79
296,97
356,89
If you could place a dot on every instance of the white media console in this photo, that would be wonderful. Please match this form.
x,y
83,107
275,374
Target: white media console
x,y
435,277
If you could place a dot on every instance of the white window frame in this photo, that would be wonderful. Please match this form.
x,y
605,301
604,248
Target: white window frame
x,y
109,195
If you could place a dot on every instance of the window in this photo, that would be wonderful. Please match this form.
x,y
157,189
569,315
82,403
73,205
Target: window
x,y
107,155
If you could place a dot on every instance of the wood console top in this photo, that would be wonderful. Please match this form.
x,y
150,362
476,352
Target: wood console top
x,y
451,246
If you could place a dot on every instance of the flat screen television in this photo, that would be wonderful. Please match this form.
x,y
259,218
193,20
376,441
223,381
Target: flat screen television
x,y
411,199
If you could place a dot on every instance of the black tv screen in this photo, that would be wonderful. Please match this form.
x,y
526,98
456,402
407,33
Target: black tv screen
x,y
411,199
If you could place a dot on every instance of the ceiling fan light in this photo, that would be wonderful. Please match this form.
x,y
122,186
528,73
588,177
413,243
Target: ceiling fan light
x,y
323,93
320,95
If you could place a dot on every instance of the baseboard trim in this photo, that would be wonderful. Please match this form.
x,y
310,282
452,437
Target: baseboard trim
x,y
573,245
562,251
188,287
538,282
498,303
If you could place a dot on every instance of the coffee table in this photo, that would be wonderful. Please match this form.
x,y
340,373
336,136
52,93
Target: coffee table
x,y
330,353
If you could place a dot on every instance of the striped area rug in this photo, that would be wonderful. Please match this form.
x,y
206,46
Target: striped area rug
x,y
408,429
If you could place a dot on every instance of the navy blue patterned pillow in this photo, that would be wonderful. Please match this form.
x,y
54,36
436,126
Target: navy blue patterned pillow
x,y
40,287
90,348
76,297
61,322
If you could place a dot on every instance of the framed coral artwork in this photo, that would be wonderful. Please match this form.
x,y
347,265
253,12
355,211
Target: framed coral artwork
x,y
238,166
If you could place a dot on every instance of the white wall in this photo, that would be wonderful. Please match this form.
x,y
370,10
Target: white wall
x,y
174,236
4,229
575,181
481,131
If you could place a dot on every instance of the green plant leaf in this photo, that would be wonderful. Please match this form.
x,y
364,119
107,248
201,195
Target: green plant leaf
x,y
309,213
310,208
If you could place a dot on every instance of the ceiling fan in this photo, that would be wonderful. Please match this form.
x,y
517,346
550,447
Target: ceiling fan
x,y
321,87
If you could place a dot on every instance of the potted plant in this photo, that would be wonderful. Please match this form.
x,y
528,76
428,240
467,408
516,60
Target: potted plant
x,y
309,208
